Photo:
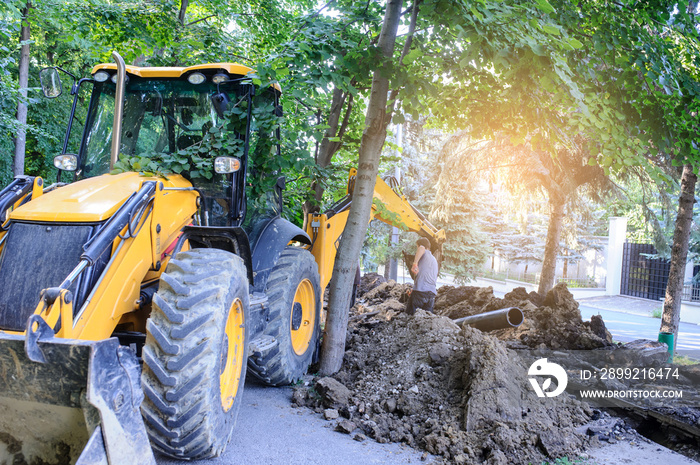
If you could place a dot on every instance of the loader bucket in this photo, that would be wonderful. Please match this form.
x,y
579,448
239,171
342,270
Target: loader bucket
x,y
79,406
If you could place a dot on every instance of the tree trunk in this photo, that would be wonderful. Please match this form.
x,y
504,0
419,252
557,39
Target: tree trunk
x,y
549,263
21,139
679,254
373,138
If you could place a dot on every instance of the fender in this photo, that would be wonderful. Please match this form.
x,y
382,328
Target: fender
x,y
231,239
269,246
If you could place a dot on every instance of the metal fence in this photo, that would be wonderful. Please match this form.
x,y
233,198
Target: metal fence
x,y
534,278
643,276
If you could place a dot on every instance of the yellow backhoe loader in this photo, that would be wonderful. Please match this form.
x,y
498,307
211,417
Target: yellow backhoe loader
x,y
134,304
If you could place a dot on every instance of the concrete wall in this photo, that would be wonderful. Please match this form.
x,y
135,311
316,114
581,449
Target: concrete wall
x,y
690,312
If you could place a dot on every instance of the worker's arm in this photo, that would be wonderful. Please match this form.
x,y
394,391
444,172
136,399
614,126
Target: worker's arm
x,y
416,259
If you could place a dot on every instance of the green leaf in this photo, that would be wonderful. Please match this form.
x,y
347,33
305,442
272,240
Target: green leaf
x,y
411,56
550,29
545,6
476,13
575,43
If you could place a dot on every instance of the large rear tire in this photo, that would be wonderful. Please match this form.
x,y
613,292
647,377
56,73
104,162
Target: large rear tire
x,y
194,359
294,298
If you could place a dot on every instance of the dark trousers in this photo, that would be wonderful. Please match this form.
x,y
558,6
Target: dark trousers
x,y
420,299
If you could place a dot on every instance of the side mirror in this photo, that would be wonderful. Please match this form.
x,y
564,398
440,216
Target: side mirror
x,y
279,188
220,103
50,82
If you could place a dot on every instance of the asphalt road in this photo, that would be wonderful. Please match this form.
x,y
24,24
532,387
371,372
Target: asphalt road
x,y
626,327
270,432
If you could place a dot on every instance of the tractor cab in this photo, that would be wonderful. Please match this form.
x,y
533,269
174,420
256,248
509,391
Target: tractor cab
x,y
206,122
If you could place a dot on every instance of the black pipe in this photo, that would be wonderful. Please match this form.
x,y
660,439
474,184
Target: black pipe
x,y
510,317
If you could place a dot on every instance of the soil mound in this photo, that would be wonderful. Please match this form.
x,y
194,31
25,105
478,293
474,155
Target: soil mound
x,y
386,291
552,322
555,324
456,393
369,281
464,395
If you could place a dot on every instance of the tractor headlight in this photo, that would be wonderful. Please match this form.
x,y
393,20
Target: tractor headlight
x,y
66,162
223,165
196,78
101,76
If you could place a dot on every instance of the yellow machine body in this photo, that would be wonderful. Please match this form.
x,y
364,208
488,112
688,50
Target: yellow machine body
x,y
138,260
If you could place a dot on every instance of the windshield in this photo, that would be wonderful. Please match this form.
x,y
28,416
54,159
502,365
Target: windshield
x,y
176,125
161,116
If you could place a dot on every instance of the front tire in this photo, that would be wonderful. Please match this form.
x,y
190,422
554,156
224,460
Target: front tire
x,y
294,298
194,359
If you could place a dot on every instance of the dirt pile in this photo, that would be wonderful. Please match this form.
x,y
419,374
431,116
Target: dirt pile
x,y
464,395
458,302
386,291
383,299
556,323
456,393
369,281
552,322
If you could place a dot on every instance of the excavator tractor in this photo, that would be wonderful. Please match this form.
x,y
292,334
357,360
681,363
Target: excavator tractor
x,y
142,287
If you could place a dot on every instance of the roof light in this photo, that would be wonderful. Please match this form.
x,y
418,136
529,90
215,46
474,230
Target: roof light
x,y
224,165
101,76
196,78
219,78
114,78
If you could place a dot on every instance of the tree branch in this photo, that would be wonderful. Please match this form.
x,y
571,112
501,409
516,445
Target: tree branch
x,y
406,48
199,20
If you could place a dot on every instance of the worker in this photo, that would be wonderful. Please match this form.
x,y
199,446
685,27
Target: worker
x,y
425,271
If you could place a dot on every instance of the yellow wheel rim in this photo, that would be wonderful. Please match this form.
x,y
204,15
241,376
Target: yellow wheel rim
x,y
232,355
303,317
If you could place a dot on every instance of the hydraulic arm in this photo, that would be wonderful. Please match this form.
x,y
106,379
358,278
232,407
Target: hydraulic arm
x,y
389,206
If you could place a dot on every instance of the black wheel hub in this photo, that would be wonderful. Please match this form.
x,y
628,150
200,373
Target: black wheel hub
x,y
296,316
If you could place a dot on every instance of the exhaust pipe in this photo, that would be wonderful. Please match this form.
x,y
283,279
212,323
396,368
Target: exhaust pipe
x,y
118,109
511,317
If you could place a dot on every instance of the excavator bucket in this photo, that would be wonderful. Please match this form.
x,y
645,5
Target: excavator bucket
x,y
67,401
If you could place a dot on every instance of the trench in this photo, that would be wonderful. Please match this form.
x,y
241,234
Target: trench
x,y
664,430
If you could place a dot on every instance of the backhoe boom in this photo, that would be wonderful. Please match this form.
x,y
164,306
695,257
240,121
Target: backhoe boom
x,y
388,206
